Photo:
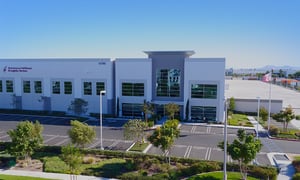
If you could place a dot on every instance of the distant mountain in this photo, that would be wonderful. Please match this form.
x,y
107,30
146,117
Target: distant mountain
x,y
268,67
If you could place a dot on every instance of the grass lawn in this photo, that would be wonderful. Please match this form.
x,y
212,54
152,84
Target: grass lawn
x,y
219,175
297,158
239,120
11,177
139,147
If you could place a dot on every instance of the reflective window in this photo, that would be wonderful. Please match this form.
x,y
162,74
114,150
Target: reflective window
x,y
9,86
168,82
1,86
100,86
204,91
87,88
26,86
132,110
132,89
55,87
38,87
68,87
203,113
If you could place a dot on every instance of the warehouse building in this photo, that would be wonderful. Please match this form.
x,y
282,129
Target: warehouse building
x,y
195,84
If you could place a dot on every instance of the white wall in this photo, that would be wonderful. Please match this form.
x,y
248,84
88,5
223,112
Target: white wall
x,y
133,70
251,105
74,70
205,71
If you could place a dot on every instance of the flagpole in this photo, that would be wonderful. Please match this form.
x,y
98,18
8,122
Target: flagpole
x,y
269,110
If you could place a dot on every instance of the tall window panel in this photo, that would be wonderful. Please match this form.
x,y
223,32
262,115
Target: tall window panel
x,y
132,109
1,90
38,87
26,86
133,89
87,88
9,86
55,87
204,91
203,113
100,86
168,83
68,87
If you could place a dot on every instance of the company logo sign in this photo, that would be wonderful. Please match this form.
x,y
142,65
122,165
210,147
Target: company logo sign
x,y
21,69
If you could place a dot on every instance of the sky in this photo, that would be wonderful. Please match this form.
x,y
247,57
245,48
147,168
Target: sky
x,y
248,33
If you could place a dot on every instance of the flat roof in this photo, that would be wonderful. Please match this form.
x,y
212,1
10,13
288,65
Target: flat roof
x,y
186,53
251,89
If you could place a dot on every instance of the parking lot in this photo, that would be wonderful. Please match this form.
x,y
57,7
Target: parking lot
x,y
195,141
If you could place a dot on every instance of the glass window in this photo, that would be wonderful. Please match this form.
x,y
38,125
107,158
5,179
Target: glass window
x,y
38,87
168,82
87,88
1,86
26,86
68,87
100,87
9,86
132,110
132,89
204,91
55,87
203,113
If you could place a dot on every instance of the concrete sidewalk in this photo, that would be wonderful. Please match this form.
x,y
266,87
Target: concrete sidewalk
x,y
47,175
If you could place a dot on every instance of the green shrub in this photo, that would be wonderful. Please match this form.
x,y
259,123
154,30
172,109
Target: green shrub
x,y
298,117
274,131
296,176
263,172
55,164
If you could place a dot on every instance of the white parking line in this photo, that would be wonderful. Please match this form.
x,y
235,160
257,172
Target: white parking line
x,y
208,153
208,129
113,144
2,137
61,142
53,137
193,129
187,152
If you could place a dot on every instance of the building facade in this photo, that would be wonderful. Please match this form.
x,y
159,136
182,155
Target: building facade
x,y
195,84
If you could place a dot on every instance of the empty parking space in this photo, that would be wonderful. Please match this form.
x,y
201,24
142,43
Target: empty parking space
x,y
217,130
198,152
178,150
201,129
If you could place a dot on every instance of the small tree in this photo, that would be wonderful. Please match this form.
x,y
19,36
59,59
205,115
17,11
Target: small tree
x,y
263,113
163,137
231,104
285,116
25,139
243,149
78,106
135,130
172,109
73,158
81,133
187,110
148,108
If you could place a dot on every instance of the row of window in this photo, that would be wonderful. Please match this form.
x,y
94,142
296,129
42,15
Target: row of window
x,y
9,86
58,87
37,87
198,113
168,83
202,91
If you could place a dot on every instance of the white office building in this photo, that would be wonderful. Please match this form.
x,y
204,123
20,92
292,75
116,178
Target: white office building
x,y
195,84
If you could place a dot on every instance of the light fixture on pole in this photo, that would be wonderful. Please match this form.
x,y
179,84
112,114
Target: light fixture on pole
x,y
258,109
101,143
225,142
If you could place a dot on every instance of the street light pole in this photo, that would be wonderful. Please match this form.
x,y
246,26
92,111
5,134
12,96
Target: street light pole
x,y
225,143
258,108
101,143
